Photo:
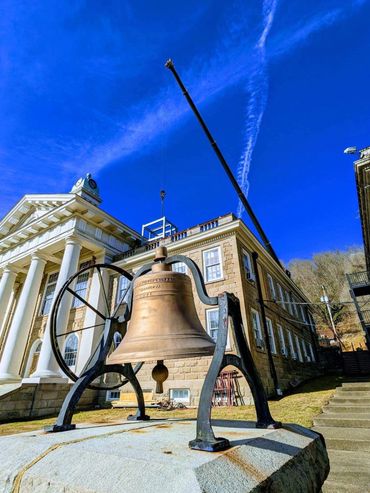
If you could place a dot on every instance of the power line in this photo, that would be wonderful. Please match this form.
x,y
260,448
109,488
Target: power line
x,y
313,304
300,322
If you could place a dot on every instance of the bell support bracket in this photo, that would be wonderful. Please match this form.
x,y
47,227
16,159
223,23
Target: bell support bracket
x,y
95,366
205,439
64,420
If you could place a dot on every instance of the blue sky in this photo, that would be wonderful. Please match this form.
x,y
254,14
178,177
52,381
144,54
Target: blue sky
x,y
283,86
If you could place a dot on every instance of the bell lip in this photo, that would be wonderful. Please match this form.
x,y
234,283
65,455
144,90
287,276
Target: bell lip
x,y
151,356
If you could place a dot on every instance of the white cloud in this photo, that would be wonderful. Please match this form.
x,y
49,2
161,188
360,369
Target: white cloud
x,y
257,91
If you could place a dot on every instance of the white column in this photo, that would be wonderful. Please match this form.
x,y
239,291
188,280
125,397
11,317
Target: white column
x,y
89,337
47,366
6,291
16,341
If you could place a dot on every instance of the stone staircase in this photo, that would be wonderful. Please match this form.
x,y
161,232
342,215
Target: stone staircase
x,y
345,425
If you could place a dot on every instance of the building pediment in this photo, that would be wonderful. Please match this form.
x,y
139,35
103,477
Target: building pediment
x,y
30,210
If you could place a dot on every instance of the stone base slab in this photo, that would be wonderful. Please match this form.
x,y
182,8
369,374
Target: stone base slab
x,y
35,400
56,379
137,457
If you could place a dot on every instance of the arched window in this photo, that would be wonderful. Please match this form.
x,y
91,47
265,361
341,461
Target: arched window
x,y
117,338
70,350
33,357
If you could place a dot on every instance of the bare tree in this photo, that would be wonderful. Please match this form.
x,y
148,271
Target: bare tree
x,y
329,269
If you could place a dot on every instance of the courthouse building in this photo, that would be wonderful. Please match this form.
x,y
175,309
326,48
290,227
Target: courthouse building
x,y
45,239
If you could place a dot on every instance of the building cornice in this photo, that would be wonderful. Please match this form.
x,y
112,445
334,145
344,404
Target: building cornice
x,y
199,239
274,269
75,206
233,227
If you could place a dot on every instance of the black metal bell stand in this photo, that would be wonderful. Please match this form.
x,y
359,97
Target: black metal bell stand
x,y
229,308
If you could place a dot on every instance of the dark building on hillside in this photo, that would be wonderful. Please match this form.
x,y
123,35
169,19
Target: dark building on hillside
x,y
359,282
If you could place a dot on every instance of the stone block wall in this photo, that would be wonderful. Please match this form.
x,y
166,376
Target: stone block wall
x,y
190,373
39,400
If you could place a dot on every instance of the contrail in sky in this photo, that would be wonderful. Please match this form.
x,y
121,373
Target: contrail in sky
x,y
257,88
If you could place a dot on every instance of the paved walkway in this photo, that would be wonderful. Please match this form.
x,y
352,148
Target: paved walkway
x,y
345,425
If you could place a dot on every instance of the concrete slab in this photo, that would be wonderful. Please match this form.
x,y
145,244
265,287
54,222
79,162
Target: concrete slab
x,y
38,380
151,456
5,388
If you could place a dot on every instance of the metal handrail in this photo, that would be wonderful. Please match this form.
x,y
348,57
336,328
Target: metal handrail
x,y
357,279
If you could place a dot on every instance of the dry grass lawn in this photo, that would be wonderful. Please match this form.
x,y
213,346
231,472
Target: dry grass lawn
x,y
299,407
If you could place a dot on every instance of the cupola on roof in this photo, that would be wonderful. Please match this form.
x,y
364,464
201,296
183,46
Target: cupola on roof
x,y
88,189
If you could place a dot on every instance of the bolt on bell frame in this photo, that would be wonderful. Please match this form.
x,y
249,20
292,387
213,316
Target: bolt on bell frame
x,y
229,309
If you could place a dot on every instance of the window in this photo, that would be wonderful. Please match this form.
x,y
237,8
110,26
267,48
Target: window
x,y
312,352
212,264
311,321
299,351
256,324
180,395
212,319
113,395
271,287
70,350
293,305
303,313
291,346
122,291
270,332
212,322
248,267
305,352
117,338
288,307
283,348
281,295
49,293
33,358
179,267
80,289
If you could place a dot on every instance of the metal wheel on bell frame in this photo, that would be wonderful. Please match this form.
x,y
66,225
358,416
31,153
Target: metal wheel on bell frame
x,y
115,315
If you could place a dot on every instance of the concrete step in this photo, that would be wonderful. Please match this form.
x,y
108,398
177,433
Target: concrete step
x,y
362,384
352,439
355,387
340,486
350,394
343,420
351,462
333,408
349,391
352,400
349,467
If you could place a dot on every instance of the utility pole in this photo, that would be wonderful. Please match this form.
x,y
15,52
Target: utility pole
x,y
325,299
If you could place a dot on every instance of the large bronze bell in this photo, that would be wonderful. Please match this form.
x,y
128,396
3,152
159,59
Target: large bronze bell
x,y
164,323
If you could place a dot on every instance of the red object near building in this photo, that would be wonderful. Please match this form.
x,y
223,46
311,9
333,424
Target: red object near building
x,y
227,391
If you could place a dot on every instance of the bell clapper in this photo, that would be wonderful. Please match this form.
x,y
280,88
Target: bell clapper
x,y
159,375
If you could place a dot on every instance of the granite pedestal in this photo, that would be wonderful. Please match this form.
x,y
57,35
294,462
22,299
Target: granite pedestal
x,y
153,456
